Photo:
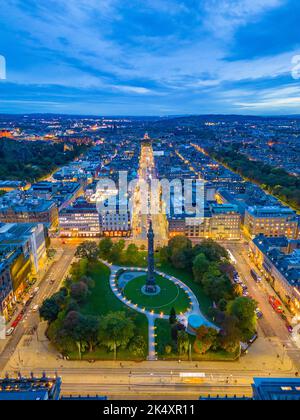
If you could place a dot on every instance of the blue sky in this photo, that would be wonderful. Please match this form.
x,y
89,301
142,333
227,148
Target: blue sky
x,y
150,57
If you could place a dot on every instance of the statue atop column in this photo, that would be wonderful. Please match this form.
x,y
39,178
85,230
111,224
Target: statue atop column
x,y
151,286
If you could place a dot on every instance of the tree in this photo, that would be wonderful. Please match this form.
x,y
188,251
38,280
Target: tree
x,y
215,284
88,250
116,330
181,258
49,310
88,281
180,252
90,327
173,317
105,247
78,269
206,339
164,254
138,346
200,267
73,329
222,305
183,343
238,290
230,335
228,269
79,291
179,242
132,254
212,250
116,252
243,309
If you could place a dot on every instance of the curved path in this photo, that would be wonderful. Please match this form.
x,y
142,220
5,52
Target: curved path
x,y
151,316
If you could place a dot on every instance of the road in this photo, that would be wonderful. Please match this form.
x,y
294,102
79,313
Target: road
x,y
148,202
30,320
155,383
271,324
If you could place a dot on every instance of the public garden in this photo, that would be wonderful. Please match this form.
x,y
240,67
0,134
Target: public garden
x,y
101,312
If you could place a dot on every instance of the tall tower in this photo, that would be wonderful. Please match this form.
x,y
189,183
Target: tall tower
x,y
151,286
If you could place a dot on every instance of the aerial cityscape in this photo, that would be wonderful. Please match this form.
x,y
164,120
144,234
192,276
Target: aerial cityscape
x,y
149,237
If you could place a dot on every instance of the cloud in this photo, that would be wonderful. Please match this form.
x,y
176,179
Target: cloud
x,y
223,17
176,49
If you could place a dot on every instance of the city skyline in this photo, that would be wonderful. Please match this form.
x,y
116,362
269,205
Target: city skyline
x,y
155,58
150,202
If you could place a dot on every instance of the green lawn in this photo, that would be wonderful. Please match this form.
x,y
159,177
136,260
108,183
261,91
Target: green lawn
x,y
170,296
163,331
187,278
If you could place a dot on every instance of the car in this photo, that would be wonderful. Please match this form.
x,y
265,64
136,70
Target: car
x,y
36,290
289,328
10,331
35,308
259,313
52,281
253,339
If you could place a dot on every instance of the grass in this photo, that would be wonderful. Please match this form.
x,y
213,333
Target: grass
x,y
204,301
170,296
163,331
102,301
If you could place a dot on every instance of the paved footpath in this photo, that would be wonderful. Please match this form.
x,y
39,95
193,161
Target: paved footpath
x,y
151,316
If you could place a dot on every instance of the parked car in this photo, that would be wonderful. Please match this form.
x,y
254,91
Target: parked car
x,y
10,331
289,328
259,313
35,308
17,320
253,339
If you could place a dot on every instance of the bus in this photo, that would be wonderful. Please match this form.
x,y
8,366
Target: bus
x,y
231,257
192,377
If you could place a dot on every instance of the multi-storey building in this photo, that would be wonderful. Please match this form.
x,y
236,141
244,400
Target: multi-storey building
x,y
225,222
80,220
220,222
271,221
116,224
23,250
6,287
273,256
30,211
62,193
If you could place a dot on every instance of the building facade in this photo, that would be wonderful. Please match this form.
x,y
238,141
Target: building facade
x,y
271,221
23,252
220,222
31,211
81,220
280,266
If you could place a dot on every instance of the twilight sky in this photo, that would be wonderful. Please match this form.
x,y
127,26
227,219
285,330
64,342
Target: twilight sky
x,y
150,57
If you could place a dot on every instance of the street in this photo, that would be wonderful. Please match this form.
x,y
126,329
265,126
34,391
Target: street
x,y
271,325
30,320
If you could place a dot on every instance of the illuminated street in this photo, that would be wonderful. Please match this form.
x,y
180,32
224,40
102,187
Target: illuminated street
x,y
147,200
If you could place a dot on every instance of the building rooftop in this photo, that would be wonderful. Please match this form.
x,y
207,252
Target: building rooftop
x,y
287,264
275,389
30,389
271,211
